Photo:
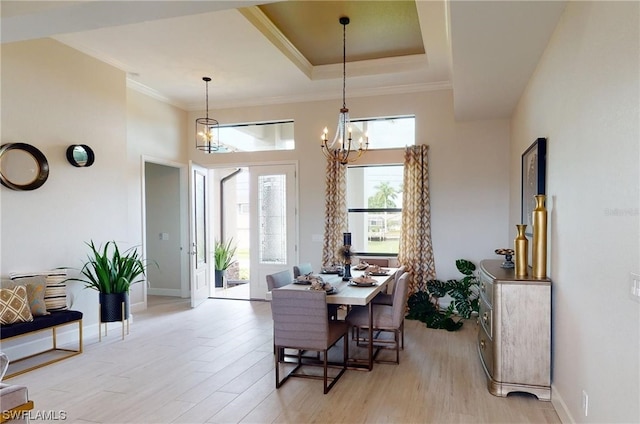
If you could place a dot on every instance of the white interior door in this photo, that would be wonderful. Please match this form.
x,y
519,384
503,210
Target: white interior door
x,y
273,200
199,251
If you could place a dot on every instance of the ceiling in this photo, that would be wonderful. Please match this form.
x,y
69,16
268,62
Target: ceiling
x,y
261,53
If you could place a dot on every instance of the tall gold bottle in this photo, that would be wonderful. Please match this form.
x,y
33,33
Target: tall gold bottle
x,y
521,247
539,238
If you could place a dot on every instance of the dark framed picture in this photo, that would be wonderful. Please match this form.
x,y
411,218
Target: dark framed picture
x,y
534,166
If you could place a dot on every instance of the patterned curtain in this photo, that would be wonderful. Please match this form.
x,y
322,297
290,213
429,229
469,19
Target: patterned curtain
x,y
416,250
335,216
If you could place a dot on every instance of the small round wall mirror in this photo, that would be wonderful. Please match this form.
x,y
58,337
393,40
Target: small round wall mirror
x,y
22,166
80,155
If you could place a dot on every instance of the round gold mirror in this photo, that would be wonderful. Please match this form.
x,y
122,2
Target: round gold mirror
x,y
22,166
80,155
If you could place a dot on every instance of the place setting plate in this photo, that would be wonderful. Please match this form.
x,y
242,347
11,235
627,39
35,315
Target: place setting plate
x,y
362,282
332,290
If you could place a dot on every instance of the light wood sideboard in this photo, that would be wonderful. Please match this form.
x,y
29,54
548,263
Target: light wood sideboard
x,y
514,331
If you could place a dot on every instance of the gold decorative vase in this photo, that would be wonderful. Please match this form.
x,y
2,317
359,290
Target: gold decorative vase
x,y
539,221
521,247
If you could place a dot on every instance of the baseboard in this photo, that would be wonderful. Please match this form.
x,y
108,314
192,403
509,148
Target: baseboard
x,y
164,292
560,406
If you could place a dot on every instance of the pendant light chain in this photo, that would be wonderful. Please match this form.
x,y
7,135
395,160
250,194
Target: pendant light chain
x,y
344,65
341,147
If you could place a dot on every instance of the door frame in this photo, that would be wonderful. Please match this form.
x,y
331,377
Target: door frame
x,y
296,189
183,171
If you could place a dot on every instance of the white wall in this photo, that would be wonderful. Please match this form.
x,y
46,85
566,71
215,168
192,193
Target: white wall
x,y
54,96
468,164
584,97
156,134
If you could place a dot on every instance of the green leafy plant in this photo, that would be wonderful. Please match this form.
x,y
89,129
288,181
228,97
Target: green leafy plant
x,y
425,305
108,270
223,254
423,308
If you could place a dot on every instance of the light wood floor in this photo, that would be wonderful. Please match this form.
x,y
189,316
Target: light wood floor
x,y
215,364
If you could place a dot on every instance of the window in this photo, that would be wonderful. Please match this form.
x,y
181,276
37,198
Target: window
x,y
256,137
387,133
374,192
374,202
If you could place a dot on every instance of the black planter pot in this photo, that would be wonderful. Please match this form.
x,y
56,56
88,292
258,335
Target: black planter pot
x,y
111,306
219,274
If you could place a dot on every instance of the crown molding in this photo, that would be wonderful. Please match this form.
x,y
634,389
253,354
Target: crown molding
x,y
263,24
316,97
409,63
141,88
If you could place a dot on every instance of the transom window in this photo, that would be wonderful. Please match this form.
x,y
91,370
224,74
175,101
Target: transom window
x,y
257,137
387,133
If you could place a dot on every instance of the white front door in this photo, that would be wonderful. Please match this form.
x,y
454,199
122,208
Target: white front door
x,y
273,203
199,251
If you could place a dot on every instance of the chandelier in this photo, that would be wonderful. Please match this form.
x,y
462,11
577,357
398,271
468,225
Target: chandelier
x,y
341,146
207,129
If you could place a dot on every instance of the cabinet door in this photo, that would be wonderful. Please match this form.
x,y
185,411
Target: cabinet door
x,y
525,334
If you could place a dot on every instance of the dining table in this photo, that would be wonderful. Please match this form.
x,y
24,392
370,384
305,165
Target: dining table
x,y
350,294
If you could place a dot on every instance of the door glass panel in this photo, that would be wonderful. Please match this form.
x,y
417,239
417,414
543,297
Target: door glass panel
x,y
272,203
200,219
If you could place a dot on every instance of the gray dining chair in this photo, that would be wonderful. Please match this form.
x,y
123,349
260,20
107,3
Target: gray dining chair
x,y
305,269
301,321
302,269
279,279
386,318
387,298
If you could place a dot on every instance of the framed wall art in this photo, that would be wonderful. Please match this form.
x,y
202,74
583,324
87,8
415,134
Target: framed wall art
x,y
534,166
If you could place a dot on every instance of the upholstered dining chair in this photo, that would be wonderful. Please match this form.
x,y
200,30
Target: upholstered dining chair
x,y
279,279
301,321
387,298
302,269
385,319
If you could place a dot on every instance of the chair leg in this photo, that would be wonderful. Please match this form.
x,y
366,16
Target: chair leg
x,y
326,389
346,350
277,364
396,335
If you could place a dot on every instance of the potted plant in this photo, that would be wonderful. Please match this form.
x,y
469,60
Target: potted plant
x,y
111,272
223,259
425,305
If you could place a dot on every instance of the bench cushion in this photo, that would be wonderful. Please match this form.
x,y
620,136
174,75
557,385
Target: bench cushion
x,y
39,323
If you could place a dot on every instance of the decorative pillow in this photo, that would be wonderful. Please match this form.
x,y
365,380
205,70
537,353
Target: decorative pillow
x,y
35,293
35,296
55,294
14,306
